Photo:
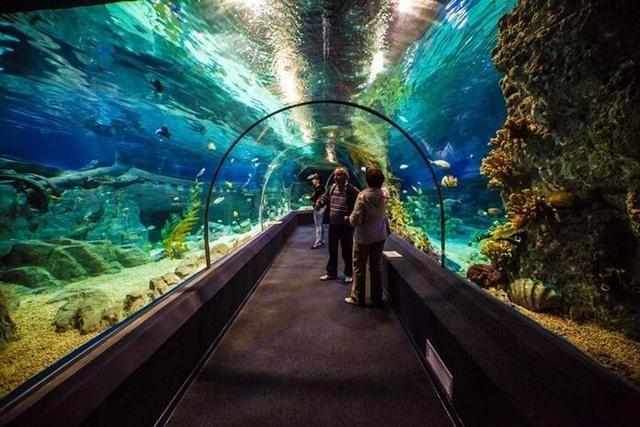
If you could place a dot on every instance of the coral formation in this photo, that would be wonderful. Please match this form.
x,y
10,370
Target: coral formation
x,y
570,141
175,231
486,276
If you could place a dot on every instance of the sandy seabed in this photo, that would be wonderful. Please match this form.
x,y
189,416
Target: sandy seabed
x,y
611,349
39,345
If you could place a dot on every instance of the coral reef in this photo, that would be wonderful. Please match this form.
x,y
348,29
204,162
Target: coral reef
x,y
570,141
486,276
175,231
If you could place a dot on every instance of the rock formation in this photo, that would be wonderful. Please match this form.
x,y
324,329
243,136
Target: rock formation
x,y
567,160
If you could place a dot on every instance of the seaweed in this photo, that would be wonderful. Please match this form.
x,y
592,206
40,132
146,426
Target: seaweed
x,y
175,230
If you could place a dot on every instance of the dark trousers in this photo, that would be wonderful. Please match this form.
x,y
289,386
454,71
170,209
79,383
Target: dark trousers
x,y
344,235
362,254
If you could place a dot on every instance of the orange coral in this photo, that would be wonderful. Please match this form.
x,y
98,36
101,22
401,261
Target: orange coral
x,y
525,206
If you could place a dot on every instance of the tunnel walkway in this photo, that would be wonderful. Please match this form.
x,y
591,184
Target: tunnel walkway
x,y
297,354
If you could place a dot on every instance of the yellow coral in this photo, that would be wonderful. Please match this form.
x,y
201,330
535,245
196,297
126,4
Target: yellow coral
x,y
500,252
496,166
525,206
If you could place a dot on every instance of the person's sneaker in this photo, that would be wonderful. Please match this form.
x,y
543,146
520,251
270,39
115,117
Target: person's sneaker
x,y
353,301
348,279
327,277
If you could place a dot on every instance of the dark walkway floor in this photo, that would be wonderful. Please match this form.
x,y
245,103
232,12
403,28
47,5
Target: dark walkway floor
x,y
298,355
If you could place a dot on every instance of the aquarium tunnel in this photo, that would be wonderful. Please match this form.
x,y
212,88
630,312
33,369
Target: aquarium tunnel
x,y
157,161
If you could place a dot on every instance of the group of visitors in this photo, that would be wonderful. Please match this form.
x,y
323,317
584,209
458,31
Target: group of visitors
x,y
354,217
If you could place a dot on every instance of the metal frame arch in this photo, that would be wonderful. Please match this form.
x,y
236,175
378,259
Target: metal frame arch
x,y
369,110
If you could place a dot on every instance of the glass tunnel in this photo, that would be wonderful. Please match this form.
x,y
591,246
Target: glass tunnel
x,y
142,142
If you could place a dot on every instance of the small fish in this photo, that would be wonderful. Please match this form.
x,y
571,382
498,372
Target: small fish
x,y
441,163
218,200
363,168
180,187
413,187
163,132
232,160
228,184
236,214
403,118
248,199
494,211
449,181
404,191
482,212
404,166
151,227
451,202
157,85
211,145
255,165
313,175
219,221
176,199
200,173
471,156
255,159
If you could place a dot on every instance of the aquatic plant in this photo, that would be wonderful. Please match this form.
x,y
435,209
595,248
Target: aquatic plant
x,y
177,227
534,295
500,252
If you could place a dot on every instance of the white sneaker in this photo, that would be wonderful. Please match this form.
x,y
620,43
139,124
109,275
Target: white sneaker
x,y
348,279
327,277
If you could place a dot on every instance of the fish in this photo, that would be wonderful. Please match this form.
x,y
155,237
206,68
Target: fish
x,y
313,175
228,184
262,134
482,212
180,187
151,227
404,166
218,200
404,191
176,199
363,168
451,202
157,85
441,163
163,132
236,214
248,199
219,221
211,145
449,181
255,159
232,160
402,118
494,211
471,156
200,173
413,187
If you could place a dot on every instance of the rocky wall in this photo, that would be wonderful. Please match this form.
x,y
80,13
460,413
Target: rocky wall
x,y
567,160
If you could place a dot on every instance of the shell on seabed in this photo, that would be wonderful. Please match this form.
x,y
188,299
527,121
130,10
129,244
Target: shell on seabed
x,y
533,295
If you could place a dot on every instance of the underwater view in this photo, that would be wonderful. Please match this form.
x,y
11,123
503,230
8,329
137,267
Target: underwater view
x,y
114,119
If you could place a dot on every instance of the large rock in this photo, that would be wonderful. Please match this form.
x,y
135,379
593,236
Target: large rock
x,y
30,276
87,310
8,330
134,302
132,256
